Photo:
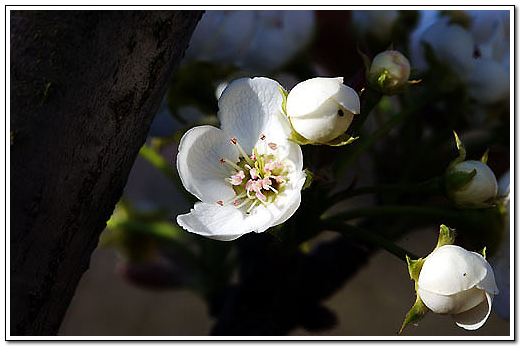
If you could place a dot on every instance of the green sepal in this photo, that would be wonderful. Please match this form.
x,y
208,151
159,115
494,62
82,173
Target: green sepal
x,y
284,93
484,158
483,252
446,236
458,180
344,139
299,139
416,313
339,141
460,148
414,267
309,178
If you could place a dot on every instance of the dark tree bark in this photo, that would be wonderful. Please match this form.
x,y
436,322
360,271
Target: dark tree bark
x,y
85,86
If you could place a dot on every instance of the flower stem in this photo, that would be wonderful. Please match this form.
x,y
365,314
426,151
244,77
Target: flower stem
x,y
370,99
396,209
370,237
426,186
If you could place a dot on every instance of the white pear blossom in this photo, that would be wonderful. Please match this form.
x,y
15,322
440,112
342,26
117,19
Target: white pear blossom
x,y
321,109
247,175
460,283
249,38
481,188
480,56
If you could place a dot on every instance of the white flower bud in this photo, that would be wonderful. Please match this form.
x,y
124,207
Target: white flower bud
x,y
321,109
482,187
458,282
389,71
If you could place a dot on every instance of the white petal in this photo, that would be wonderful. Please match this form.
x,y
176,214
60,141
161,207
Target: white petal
x,y
309,95
348,98
488,81
488,283
451,269
245,108
286,203
277,130
475,318
324,124
453,45
198,163
224,222
452,304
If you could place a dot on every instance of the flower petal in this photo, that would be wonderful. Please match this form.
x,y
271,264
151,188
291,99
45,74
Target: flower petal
x,y
290,199
488,284
475,318
246,107
348,99
453,304
224,222
488,81
309,95
451,269
198,163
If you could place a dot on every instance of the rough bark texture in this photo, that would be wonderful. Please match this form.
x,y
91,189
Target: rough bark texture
x,y
85,86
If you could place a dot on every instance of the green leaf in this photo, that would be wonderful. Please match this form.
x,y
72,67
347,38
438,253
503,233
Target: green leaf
x,y
309,177
446,236
416,313
414,267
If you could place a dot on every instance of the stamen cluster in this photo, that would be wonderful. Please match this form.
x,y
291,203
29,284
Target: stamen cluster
x,y
256,178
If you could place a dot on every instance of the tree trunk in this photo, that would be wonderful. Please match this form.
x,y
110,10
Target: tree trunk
x,y
85,86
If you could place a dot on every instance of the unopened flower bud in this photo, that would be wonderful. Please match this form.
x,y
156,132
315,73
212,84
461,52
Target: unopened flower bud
x,y
480,188
321,109
389,71
458,282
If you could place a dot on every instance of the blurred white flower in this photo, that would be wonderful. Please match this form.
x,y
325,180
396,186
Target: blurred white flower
x,y
257,40
480,56
481,188
221,35
501,261
458,282
278,36
321,109
376,22
247,175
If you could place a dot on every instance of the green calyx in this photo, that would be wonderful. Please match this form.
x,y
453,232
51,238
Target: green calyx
x,y
419,310
339,141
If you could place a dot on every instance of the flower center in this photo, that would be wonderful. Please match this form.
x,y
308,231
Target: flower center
x,y
256,178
